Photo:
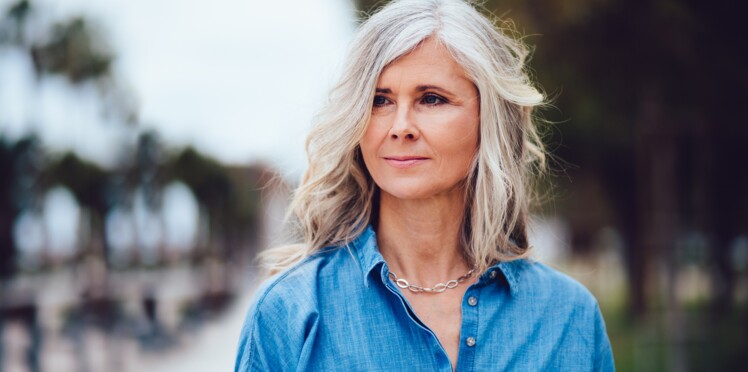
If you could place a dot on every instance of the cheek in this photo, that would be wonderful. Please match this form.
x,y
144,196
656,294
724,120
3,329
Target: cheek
x,y
460,157
461,139
460,151
370,143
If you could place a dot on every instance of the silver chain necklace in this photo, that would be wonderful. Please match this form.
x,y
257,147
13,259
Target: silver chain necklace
x,y
438,288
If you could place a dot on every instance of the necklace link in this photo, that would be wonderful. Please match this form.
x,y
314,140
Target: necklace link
x,y
438,288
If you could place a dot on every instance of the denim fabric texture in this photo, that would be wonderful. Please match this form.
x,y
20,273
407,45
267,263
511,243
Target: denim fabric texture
x,y
338,311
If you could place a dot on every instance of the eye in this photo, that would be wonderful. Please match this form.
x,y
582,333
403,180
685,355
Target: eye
x,y
380,101
432,99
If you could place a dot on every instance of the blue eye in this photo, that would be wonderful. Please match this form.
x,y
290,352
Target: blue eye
x,y
432,100
380,101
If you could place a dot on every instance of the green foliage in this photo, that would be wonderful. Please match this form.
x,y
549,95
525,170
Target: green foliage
x,y
11,26
708,343
205,176
87,181
74,51
20,10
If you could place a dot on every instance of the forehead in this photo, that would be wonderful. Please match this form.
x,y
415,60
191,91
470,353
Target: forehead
x,y
430,59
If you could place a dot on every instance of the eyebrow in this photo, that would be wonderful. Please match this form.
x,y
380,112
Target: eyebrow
x,y
419,88
422,88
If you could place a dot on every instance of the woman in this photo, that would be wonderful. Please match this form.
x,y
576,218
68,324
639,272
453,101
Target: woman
x,y
413,213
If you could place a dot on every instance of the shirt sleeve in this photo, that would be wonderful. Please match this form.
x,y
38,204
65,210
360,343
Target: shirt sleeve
x,y
603,352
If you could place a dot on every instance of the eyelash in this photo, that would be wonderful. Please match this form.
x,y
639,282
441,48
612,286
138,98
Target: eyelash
x,y
440,100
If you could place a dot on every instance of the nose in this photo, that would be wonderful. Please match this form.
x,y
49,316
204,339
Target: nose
x,y
403,126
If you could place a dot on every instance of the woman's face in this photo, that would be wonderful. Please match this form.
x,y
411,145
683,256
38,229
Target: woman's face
x,y
423,133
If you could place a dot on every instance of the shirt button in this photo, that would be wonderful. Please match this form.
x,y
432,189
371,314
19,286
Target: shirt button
x,y
470,341
492,275
472,301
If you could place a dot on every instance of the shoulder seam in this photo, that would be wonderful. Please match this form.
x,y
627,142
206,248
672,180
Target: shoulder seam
x,y
285,274
261,300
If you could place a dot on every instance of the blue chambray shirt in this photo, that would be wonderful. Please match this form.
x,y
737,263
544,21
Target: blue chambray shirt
x,y
338,311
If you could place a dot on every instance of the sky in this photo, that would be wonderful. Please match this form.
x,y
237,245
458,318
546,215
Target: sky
x,y
239,79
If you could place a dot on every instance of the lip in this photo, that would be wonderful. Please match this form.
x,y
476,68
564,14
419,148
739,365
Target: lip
x,y
404,161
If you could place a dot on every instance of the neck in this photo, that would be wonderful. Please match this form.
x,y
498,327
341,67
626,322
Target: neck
x,y
420,239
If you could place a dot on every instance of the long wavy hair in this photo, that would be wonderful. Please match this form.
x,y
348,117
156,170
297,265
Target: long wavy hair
x,y
336,198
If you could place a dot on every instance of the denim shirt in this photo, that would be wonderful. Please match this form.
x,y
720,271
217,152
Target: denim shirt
x,y
338,311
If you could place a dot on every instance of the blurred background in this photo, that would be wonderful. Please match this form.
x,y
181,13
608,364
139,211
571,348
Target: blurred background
x,y
147,150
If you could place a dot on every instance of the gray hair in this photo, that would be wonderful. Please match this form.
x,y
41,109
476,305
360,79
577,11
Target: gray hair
x,y
334,202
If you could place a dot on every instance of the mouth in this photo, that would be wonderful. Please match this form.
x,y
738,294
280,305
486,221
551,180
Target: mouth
x,y
404,161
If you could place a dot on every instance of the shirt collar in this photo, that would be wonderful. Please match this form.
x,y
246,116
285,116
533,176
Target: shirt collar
x,y
366,250
510,270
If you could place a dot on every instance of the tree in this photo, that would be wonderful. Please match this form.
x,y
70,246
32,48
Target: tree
x,y
649,96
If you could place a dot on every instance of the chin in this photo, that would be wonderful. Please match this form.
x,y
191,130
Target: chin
x,y
409,191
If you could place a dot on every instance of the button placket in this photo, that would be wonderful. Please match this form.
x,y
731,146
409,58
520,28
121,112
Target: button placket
x,y
470,328
472,300
470,341
439,353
